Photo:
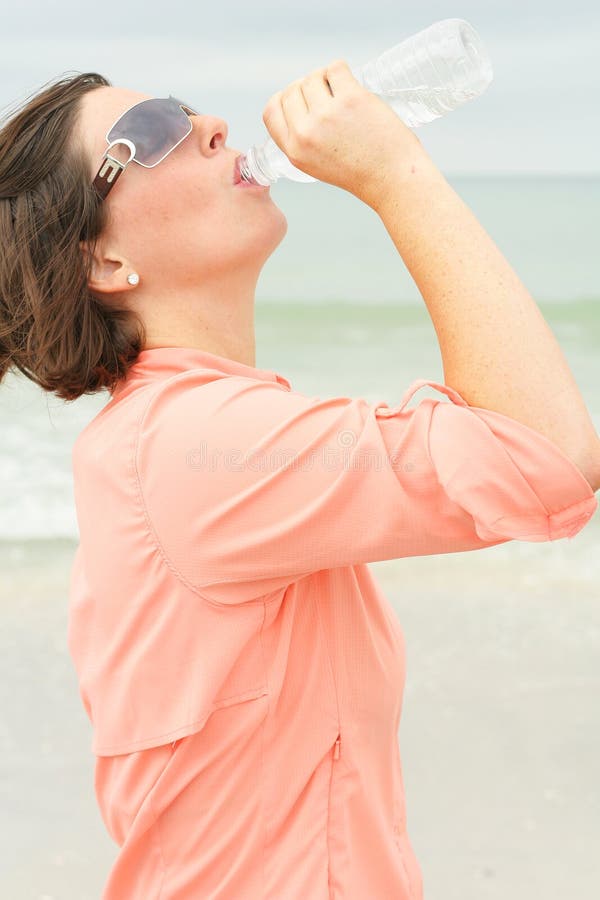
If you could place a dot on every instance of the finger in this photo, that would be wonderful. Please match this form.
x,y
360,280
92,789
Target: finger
x,y
275,121
340,77
316,90
293,103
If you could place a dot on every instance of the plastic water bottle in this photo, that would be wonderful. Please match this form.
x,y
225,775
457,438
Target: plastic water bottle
x,y
422,78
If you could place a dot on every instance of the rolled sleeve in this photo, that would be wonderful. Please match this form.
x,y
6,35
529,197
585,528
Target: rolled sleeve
x,y
249,487
513,481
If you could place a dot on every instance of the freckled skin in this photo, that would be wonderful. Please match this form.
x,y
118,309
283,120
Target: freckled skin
x,y
197,242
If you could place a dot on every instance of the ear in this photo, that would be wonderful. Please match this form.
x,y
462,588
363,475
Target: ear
x,y
108,271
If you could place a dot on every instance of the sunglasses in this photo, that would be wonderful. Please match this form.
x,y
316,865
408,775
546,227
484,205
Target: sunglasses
x,y
150,130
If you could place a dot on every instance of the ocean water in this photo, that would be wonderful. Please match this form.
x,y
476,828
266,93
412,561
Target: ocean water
x,y
337,312
500,735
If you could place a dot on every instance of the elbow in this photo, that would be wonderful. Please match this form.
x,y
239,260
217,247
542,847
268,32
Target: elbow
x,y
594,482
589,466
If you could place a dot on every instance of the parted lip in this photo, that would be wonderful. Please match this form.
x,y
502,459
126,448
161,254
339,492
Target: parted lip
x,y
237,175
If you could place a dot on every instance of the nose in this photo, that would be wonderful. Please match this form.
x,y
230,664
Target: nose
x,y
213,132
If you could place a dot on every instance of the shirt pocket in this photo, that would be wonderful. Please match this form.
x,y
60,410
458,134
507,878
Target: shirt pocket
x,y
177,661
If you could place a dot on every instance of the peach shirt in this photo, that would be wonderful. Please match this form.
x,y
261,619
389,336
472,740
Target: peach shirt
x,y
242,669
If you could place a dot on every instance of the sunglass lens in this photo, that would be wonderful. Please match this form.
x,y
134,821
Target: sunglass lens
x,y
155,126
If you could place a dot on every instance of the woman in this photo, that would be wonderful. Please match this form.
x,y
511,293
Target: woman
x,y
242,669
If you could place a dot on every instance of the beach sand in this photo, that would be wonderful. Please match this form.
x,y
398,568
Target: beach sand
x,y
499,737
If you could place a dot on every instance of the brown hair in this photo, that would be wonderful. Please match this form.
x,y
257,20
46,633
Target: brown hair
x,y
52,329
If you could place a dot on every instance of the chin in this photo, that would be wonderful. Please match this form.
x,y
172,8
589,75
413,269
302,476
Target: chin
x,y
276,230
283,222
260,241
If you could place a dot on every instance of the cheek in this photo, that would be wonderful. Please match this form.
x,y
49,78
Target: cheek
x,y
178,200
168,215
160,214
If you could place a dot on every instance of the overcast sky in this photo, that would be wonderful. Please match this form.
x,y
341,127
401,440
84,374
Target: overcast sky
x,y
540,114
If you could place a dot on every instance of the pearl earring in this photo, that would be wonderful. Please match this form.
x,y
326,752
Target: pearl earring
x,y
134,278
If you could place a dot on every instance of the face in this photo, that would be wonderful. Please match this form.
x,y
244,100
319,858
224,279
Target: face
x,y
183,221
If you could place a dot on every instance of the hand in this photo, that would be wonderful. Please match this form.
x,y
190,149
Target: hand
x,y
331,127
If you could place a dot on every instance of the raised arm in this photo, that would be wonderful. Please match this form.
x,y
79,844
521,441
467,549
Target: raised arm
x,y
497,349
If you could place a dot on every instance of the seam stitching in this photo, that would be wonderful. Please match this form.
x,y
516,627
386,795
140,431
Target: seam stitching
x,y
150,526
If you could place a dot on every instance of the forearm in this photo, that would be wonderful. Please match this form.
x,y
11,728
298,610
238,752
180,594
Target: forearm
x,y
497,349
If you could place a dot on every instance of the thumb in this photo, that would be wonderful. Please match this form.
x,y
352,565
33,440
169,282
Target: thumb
x,y
275,121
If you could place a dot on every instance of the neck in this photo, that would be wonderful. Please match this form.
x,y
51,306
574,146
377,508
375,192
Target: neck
x,y
220,321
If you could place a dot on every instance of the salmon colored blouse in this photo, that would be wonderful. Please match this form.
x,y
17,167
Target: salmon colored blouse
x,y
242,670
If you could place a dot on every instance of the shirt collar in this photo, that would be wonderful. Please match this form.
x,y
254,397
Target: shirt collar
x,y
157,363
